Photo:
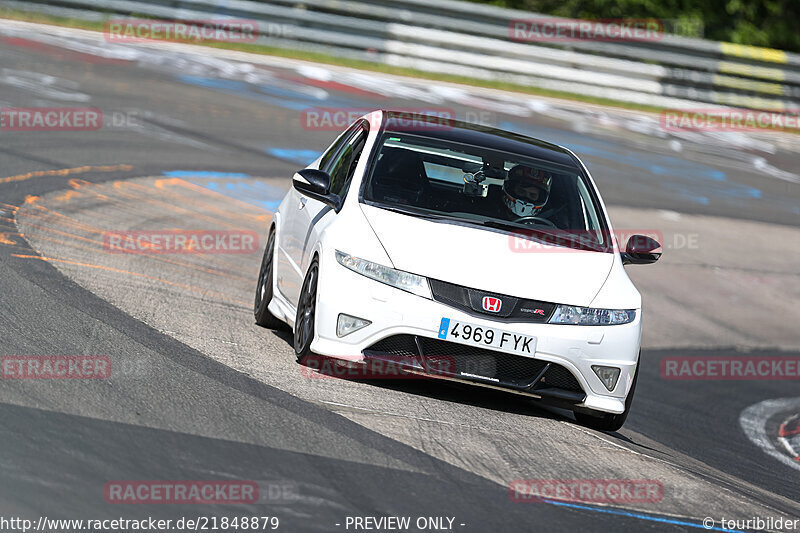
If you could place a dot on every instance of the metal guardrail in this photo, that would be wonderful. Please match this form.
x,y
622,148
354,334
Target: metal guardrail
x,y
472,40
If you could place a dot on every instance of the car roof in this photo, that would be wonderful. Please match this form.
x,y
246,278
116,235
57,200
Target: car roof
x,y
477,135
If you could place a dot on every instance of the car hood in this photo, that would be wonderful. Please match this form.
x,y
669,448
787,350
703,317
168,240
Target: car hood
x,y
485,259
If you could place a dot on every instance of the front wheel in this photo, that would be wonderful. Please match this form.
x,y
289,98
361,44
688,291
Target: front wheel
x,y
609,421
306,313
264,288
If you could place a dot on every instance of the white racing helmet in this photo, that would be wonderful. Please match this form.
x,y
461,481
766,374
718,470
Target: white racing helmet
x,y
526,190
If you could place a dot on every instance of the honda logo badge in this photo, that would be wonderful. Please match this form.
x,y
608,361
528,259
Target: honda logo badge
x,y
492,304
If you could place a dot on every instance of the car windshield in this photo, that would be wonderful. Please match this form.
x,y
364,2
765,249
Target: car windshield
x,y
449,181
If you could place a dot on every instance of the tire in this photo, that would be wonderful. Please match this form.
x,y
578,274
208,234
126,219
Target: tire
x,y
306,313
607,421
264,287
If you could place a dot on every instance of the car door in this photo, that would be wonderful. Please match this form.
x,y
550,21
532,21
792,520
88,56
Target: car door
x,y
289,275
304,213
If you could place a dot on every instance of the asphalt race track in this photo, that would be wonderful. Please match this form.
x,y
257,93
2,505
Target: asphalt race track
x,y
204,139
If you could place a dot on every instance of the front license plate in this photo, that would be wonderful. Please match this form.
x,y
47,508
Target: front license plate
x,y
483,337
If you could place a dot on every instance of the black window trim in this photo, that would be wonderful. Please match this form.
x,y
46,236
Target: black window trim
x,y
359,127
342,141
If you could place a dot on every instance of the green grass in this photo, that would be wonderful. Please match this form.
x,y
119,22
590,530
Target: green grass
x,y
49,19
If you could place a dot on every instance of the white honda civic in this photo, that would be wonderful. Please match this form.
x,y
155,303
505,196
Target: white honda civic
x,y
459,252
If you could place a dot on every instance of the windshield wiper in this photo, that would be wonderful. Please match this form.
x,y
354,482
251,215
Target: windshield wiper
x,y
430,216
497,224
544,234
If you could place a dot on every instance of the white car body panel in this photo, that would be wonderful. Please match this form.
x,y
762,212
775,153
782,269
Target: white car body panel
x,y
486,259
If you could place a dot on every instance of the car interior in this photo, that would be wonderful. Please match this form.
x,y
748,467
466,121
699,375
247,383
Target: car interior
x,y
465,187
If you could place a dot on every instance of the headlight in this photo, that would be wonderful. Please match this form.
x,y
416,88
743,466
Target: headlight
x,y
587,316
396,278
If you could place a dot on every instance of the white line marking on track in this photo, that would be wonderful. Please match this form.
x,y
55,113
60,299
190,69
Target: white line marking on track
x,y
753,421
787,446
783,440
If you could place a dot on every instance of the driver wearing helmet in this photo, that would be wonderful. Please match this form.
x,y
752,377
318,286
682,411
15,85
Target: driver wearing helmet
x,y
526,190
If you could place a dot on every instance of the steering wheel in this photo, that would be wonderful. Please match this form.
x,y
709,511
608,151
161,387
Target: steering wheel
x,y
540,219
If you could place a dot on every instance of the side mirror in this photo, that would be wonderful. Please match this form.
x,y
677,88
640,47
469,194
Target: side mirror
x,y
312,182
641,250
316,184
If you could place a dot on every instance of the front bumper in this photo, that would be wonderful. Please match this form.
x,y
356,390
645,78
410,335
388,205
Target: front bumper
x,y
490,368
406,326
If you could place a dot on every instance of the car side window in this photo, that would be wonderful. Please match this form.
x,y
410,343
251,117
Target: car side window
x,y
329,156
343,167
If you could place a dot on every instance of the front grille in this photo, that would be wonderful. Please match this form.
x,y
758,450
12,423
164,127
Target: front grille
x,y
561,378
470,301
398,345
467,362
447,293
506,368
